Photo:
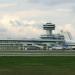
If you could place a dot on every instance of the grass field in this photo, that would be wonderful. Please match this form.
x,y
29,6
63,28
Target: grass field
x,y
41,65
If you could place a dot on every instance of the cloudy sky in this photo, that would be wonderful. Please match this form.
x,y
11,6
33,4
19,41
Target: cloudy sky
x,y
24,18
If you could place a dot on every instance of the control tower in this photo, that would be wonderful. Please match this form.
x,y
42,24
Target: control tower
x,y
49,27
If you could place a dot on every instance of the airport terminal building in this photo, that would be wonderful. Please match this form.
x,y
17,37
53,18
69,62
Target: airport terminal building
x,y
46,42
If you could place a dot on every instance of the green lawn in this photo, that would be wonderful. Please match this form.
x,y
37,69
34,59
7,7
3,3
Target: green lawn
x,y
41,65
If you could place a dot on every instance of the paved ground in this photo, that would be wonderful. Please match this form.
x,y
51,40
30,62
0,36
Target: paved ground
x,y
38,53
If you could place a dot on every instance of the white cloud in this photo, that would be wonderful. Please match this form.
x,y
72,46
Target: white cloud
x,y
68,28
22,31
64,10
27,28
5,5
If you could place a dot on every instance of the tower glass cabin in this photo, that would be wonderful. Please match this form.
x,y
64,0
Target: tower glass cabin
x,y
49,27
